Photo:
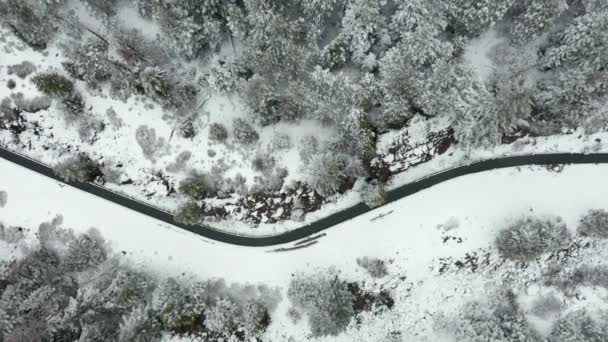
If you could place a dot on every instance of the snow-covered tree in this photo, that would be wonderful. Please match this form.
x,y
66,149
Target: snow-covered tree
x,y
325,299
222,317
533,18
475,17
274,47
329,172
140,325
579,326
363,28
86,252
255,318
263,102
180,307
497,322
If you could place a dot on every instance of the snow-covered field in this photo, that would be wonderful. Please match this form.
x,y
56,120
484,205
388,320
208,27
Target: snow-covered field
x,y
475,207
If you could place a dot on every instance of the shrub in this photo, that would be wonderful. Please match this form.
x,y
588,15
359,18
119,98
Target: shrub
x,y
53,84
326,299
10,84
189,214
328,172
594,224
32,105
374,194
187,129
217,132
374,266
22,70
244,133
195,187
529,238
151,146
72,104
80,168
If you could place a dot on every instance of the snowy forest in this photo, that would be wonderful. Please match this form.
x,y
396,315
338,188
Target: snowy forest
x,y
244,103
541,281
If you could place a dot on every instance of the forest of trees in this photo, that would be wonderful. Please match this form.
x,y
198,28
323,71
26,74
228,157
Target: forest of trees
x,y
72,287
360,66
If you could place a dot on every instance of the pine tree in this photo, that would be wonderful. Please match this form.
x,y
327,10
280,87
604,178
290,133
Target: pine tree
x,y
180,308
222,317
534,18
326,300
140,325
364,28
86,252
328,172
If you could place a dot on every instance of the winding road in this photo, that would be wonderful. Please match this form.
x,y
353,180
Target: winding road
x,y
324,223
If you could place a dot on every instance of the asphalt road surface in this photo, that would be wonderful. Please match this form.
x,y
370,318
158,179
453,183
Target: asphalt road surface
x,y
324,223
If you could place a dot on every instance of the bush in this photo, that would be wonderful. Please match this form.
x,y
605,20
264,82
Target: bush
x,y
151,146
3,198
373,194
529,238
80,168
594,224
195,187
10,84
32,105
72,104
189,214
22,70
217,132
53,84
327,301
244,133
328,172
375,267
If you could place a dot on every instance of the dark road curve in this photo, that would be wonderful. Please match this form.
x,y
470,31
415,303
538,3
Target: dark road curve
x,y
324,223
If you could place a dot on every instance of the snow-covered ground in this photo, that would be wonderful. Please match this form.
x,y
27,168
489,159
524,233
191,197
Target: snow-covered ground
x,y
410,238
116,145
